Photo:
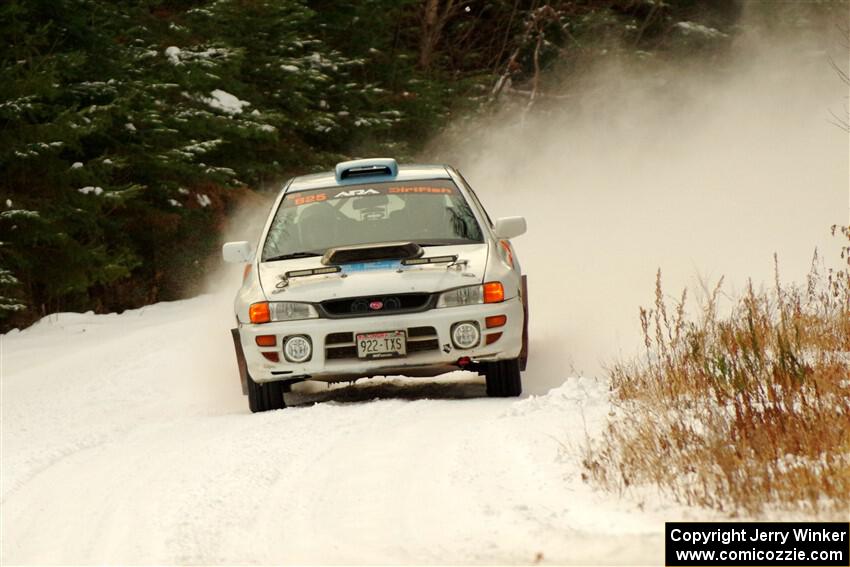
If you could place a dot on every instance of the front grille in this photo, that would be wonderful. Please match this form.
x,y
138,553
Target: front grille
x,y
378,305
340,346
418,332
335,338
422,346
340,352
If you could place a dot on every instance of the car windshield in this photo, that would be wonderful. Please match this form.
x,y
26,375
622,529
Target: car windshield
x,y
428,212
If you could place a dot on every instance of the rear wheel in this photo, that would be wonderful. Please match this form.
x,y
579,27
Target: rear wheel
x,y
503,378
265,397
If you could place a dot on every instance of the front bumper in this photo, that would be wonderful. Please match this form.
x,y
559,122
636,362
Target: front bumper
x,y
429,343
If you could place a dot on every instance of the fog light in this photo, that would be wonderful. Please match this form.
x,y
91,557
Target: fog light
x,y
297,348
466,334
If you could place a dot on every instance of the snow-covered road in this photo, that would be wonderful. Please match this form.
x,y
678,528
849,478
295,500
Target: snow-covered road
x,y
125,439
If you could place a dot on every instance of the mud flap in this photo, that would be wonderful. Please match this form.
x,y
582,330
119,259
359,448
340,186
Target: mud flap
x,y
240,361
523,354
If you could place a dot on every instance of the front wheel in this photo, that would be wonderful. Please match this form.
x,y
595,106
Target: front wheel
x,y
503,378
265,397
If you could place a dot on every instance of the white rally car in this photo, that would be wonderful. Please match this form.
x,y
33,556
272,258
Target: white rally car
x,y
377,269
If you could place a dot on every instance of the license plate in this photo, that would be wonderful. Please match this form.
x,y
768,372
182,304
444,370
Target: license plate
x,y
388,344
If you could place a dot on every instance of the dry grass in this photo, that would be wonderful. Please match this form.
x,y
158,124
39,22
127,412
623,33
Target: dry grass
x,y
741,411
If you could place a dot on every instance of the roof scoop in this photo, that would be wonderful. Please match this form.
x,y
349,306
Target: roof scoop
x,y
372,253
375,167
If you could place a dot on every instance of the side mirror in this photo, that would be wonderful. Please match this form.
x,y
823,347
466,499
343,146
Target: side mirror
x,y
510,227
237,252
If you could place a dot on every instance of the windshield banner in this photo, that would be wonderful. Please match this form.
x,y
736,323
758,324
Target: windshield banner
x,y
429,187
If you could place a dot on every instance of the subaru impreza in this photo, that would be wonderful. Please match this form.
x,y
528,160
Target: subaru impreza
x,y
379,269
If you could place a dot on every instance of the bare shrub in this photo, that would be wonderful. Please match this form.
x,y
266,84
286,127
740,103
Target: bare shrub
x,y
740,411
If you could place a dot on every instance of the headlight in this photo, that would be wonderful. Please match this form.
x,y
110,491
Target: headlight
x,y
297,348
266,311
290,311
469,295
490,292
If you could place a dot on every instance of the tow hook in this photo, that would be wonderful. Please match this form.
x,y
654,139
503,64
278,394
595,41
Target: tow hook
x,y
466,363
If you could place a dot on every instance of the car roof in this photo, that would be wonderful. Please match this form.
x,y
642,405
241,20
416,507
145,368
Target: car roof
x,y
411,172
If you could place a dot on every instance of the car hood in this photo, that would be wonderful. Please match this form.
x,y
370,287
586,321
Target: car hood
x,y
376,278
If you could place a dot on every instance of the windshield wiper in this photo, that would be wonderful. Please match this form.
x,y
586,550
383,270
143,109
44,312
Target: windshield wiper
x,y
432,244
292,256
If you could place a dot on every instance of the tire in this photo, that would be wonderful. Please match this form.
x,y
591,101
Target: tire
x,y
265,397
503,378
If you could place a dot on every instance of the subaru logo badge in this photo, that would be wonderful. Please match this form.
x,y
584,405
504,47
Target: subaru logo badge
x,y
376,305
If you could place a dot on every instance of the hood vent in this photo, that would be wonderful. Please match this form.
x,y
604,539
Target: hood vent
x,y
372,253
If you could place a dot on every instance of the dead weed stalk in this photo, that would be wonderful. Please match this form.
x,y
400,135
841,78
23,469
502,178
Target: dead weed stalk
x,y
740,411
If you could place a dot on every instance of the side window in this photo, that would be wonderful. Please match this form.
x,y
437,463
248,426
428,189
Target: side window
x,y
476,199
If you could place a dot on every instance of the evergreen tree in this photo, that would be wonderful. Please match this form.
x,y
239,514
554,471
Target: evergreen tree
x,y
128,129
